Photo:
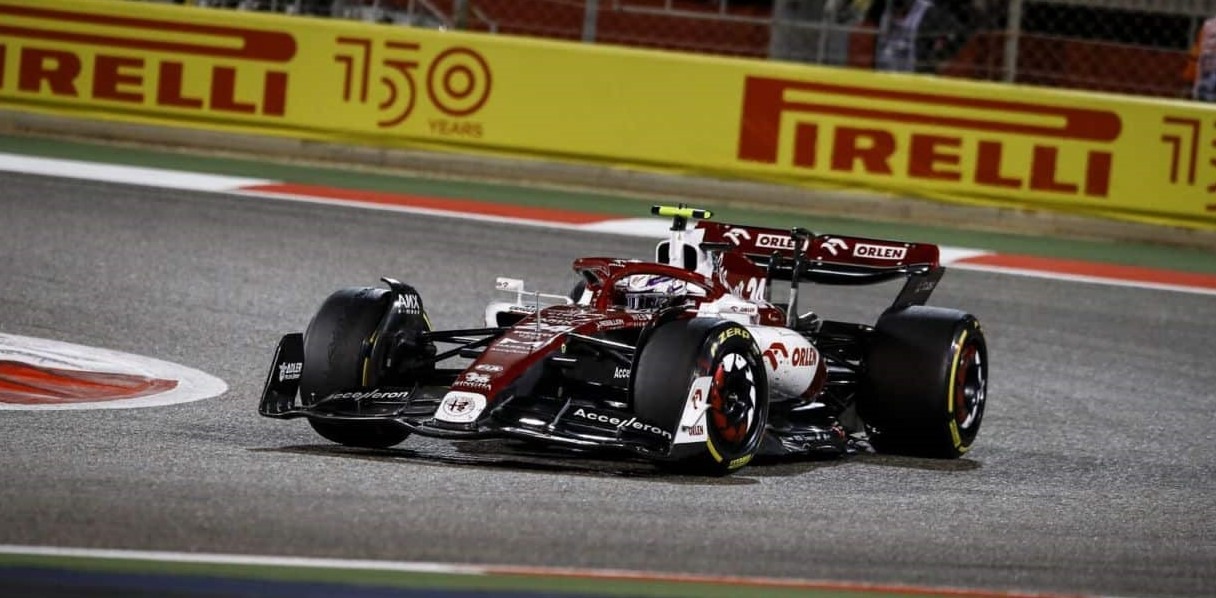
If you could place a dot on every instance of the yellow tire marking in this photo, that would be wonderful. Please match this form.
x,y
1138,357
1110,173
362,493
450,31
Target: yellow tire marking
x,y
740,462
713,450
367,362
954,433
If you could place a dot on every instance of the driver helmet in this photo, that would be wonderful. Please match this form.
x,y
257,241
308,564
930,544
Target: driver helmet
x,y
653,291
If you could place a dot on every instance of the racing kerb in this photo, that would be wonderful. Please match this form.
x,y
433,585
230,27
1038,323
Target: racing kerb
x,y
363,93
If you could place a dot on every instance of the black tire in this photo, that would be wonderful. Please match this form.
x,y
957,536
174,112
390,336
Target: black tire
x,y
926,384
673,358
336,350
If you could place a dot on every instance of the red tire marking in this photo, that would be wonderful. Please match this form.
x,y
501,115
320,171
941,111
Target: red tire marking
x,y
431,203
26,384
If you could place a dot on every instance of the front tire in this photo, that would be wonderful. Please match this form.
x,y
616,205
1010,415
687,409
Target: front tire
x,y
927,382
336,357
721,360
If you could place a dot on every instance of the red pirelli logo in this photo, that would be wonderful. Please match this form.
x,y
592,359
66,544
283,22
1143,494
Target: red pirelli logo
x,y
107,53
934,131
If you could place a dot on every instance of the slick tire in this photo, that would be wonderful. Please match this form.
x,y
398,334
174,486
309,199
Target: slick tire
x,y
720,361
926,383
336,351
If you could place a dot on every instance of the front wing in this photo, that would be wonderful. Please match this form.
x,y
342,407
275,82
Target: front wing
x,y
566,421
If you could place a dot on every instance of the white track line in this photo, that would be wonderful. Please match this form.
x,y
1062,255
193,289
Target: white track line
x,y
240,559
368,205
131,175
1081,278
636,227
771,583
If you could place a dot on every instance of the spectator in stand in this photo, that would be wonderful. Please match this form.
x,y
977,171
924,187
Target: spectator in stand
x,y
1200,71
915,35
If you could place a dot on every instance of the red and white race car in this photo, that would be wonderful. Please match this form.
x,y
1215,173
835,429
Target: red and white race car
x,y
685,360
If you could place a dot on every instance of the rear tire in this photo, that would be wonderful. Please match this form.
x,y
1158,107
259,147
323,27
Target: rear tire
x,y
678,354
336,350
927,382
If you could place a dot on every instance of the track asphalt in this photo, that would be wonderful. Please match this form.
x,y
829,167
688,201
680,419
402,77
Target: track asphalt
x,y
1094,472
545,203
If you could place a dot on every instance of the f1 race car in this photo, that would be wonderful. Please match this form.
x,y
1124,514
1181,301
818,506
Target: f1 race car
x,y
685,360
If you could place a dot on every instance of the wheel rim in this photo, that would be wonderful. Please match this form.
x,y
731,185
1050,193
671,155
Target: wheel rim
x,y
970,387
732,399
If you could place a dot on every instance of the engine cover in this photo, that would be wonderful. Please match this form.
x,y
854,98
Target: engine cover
x,y
793,364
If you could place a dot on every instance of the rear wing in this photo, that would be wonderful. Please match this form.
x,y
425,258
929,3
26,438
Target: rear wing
x,y
797,255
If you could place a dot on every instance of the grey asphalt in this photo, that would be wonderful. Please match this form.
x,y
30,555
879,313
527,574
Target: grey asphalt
x,y
1095,471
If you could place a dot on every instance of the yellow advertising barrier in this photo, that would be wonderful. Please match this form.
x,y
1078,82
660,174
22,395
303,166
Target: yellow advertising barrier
x,y
1126,157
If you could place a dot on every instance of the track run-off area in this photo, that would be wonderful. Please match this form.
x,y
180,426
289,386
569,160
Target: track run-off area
x,y
1094,472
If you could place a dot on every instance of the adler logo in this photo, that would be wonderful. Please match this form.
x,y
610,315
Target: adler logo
x,y
290,371
928,136
163,63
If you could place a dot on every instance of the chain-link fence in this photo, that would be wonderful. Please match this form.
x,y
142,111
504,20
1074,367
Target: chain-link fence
x,y
1126,46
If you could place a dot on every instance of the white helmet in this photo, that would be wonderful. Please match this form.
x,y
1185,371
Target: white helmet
x,y
655,291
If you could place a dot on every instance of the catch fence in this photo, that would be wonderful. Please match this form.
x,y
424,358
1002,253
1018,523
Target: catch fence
x,y
1125,46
